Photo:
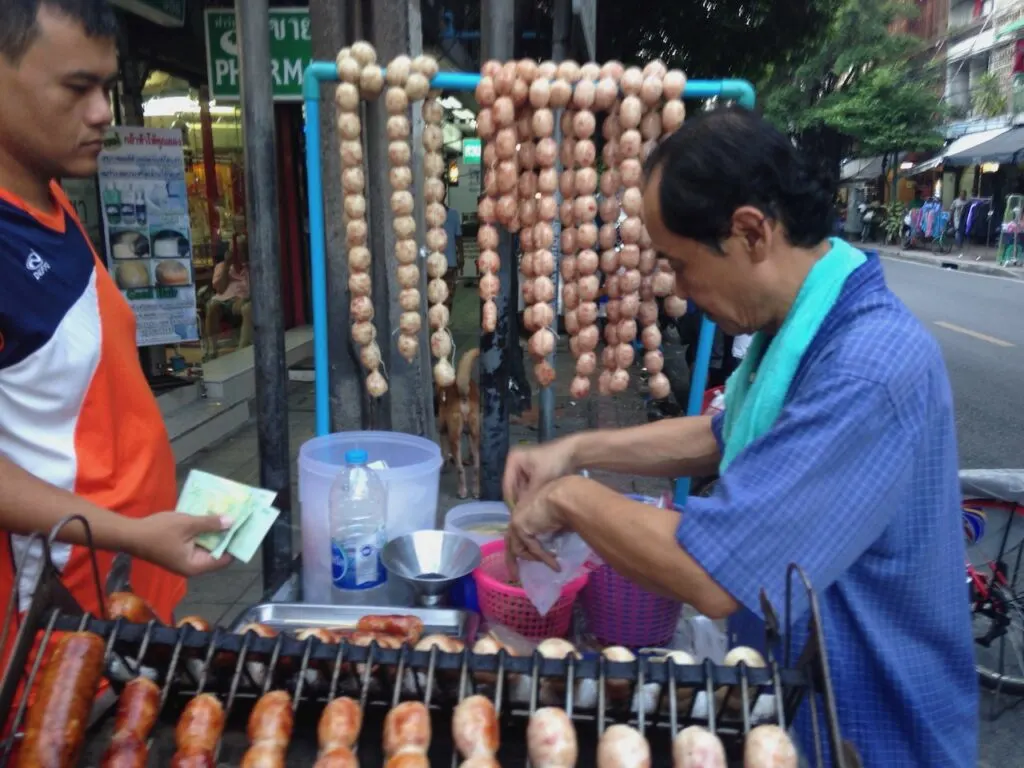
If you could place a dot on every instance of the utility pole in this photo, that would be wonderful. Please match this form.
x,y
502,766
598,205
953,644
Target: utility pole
x,y
497,29
332,24
253,24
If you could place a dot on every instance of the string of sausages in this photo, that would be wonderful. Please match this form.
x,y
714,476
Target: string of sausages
x,y
519,103
497,204
360,78
580,179
397,97
639,106
441,346
538,208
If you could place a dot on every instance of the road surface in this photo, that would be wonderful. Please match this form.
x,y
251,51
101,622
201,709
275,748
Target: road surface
x,y
979,322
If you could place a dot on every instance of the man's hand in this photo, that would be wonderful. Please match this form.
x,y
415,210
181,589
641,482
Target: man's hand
x,y
538,515
168,539
527,470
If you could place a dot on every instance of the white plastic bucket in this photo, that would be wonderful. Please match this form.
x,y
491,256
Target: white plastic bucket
x,y
468,519
412,477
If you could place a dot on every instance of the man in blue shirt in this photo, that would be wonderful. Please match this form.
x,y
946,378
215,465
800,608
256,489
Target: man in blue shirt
x,y
855,480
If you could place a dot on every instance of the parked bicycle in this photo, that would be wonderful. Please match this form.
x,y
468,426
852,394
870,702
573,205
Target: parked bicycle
x,y
992,502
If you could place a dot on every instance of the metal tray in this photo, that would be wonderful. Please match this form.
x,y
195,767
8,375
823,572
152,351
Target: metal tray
x,y
291,617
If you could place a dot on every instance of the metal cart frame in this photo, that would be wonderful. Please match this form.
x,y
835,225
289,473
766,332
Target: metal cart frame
x,y
319,72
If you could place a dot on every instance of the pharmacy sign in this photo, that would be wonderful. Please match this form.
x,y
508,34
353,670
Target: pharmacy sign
x,y
291,50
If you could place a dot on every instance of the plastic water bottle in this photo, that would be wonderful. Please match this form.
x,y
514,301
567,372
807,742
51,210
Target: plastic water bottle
x,y
357,506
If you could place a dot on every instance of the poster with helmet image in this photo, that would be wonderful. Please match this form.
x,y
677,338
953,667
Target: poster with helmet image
x,y
143,197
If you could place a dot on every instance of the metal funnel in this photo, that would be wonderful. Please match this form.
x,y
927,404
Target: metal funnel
x,y
430,562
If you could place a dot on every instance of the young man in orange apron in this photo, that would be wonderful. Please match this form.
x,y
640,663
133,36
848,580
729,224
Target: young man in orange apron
x,y
80,430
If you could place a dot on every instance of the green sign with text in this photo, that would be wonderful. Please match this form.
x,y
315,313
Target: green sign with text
x,y
472,151
291,50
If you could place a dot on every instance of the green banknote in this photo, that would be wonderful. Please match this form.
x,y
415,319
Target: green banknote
x,y
247,540
206,494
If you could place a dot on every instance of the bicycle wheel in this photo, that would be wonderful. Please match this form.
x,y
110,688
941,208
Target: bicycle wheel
x,y
997,603
999,642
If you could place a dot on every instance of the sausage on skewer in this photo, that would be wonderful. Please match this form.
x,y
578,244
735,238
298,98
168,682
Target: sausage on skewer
x,y
444,644
407,729
55,726
129,606
475,728
198,731
551,739
340,724
623,747
697,747
136,714
408,628
408,760
339,757
338,732
270,730
197,623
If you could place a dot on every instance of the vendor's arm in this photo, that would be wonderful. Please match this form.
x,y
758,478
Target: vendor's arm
x,y
682,447
639,542
818,490
815,491
670,448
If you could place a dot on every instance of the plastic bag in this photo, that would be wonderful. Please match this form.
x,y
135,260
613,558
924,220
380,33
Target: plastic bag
x,y
701,637
543,585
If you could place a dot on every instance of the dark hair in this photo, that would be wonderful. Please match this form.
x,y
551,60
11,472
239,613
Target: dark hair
x,y
20,28
721,160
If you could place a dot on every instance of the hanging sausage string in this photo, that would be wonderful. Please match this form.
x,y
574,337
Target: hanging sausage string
x,y
605,248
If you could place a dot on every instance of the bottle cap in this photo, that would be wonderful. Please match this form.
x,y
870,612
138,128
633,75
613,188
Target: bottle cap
x,y
356,456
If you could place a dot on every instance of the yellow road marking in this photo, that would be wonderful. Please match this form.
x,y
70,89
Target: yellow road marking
x,y
973,334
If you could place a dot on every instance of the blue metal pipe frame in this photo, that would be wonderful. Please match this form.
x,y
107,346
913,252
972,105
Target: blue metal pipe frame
x,y
319,72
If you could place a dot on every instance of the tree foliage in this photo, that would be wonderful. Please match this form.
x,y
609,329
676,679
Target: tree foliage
x,y
859,88
710,38
885,111
989,99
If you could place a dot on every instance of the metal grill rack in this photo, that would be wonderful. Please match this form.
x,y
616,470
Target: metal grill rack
x,y
239,668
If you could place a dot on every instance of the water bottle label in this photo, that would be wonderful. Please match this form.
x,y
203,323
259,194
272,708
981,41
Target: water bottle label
x,y
356,563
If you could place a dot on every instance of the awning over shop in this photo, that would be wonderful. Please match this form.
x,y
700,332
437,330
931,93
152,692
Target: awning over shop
x,y
1010,29
956,147
860,169
1005,148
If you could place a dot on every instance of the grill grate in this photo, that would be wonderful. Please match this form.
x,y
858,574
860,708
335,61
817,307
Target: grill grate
x,y
186,662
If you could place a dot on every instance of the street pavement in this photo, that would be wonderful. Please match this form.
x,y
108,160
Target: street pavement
x,y
977,321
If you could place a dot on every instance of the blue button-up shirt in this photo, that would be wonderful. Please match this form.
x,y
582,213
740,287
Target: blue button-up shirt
x,y
857,483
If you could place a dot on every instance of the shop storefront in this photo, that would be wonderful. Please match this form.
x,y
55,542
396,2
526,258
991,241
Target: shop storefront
x,y
168,205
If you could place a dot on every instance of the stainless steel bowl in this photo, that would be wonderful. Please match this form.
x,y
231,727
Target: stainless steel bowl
x,y
430,562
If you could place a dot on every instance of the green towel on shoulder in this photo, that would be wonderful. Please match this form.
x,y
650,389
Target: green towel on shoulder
x,y
754,402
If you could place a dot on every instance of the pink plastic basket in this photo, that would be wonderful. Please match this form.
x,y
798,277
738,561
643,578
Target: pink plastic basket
x,y
618,612
501,603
